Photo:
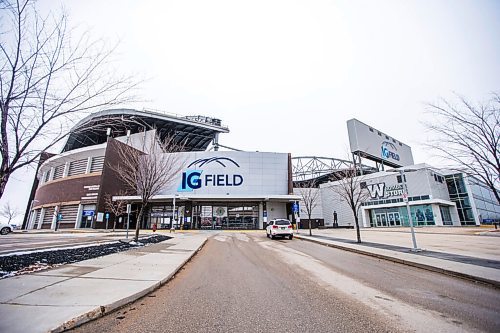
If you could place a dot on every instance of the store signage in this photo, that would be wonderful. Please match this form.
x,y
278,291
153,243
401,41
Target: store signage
x,y
89,194
88,213
193,179
389,151
379,190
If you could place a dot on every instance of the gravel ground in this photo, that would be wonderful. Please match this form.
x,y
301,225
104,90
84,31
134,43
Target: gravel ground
x,y
11,265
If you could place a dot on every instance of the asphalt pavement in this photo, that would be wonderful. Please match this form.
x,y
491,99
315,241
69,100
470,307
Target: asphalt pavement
x,y
244,282
235,285
70,295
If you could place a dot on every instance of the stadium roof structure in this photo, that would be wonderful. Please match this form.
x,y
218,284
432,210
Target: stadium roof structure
x,y
195,132
319,170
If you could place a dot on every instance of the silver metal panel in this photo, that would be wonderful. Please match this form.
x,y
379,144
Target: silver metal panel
x,y
231,173
375,145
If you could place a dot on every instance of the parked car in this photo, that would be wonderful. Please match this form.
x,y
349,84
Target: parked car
x,y
5,228
279,227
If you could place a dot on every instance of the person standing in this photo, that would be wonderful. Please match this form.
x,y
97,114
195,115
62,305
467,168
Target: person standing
x,y
335,222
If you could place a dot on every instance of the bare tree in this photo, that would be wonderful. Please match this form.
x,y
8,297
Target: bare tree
x,y
348,187
309,194
117,207
468,135
147,174
48,80
9,212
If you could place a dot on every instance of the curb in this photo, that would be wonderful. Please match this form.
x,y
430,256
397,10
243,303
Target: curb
x,y
106,309
492,283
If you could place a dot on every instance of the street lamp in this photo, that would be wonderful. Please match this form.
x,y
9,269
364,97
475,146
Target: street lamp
x,y
173,210
405,199
173,214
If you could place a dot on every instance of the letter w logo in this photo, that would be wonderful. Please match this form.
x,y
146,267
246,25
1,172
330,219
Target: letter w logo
x,y
377,190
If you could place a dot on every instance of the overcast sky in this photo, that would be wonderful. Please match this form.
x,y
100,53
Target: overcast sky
x,y
285,76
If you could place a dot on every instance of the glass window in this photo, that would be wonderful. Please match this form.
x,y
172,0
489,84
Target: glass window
x,y
445,215
450,182
429,216
468,214
460,185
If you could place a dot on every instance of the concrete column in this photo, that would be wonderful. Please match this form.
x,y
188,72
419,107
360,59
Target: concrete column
x,y
261,218
66,169
40,218
365,218
89,164
54,218
436,212
78,215
455,218
51,175
31,221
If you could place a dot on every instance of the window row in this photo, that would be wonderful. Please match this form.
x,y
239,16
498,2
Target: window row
x,y
387,137
73,168
388,201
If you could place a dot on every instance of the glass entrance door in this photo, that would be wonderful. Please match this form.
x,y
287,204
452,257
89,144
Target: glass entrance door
x,y
384,219
390,217
381,219
238,216
88,212
397,219
445,215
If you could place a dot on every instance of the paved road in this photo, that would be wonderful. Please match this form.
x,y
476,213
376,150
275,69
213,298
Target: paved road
x,y
243,282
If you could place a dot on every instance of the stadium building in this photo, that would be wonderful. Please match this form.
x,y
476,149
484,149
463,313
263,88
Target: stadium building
x,y
214,190
436,197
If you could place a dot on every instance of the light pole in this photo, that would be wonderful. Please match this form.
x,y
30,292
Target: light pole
x,y
173,214
173,211
129,209
405,199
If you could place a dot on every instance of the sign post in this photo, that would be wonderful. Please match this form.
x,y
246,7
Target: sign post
x,y
295,210
406,201
58,218
129,208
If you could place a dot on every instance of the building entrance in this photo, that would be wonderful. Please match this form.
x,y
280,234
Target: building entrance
x,y
87,216
225,216
388,219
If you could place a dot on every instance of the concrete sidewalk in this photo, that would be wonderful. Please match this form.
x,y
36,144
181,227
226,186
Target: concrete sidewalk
x,y
472,266
64,297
